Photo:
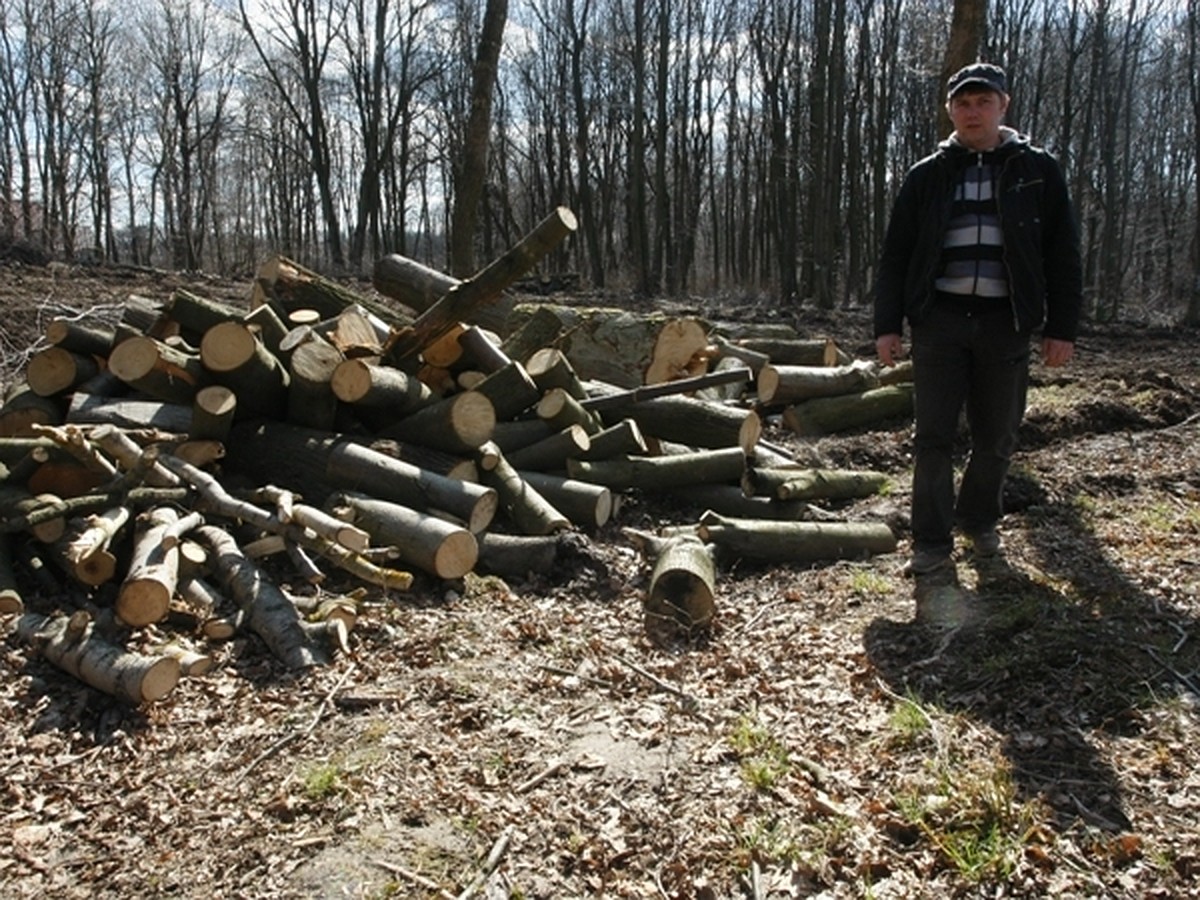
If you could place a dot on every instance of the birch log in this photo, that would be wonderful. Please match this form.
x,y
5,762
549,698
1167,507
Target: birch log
x,y
75,648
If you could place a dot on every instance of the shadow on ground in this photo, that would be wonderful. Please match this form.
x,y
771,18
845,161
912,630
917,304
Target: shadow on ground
x,y
1050,655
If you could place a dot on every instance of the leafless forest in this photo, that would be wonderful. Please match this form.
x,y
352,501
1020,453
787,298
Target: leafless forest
x,y
707,146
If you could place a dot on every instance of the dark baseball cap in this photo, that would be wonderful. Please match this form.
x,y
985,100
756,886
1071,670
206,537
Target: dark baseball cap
x,y
983,75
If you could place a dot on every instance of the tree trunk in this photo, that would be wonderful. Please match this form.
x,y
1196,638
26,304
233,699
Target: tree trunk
x,y
310,399
289,286
623,438
588,506
379,394
85,553
240,361
172,417
696,423
458,424
511,390
797,351
89,340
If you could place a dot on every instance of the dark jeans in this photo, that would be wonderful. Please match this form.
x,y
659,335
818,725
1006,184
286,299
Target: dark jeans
x,y
977,360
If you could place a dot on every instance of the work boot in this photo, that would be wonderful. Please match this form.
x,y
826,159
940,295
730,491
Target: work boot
x,y
924,562
985,542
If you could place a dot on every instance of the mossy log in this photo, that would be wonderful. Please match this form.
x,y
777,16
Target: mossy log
x,y
785,351
622,439
196,314
729,500
289,286
17,503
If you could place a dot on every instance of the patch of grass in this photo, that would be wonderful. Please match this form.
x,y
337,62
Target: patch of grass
x,y
866,583
322,780
764,759
765,839
909,722
971,815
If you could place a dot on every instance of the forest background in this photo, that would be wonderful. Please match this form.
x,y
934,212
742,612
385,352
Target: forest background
x,y
707,146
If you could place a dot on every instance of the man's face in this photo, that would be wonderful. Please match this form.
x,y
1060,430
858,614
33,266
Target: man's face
x,y
977,115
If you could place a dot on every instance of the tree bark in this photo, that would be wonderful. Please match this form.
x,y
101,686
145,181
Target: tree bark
x,y
812,484
79,651
427,542
795,542
458,424
379,393
779,385
55,371
269,613
827,415
124,413
158,370
89,340
511,390
623,438
461,302
662,472
586,505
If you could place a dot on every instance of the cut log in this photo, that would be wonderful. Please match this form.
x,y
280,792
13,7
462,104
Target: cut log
x,y
196,314
157,370
616,400
18,503
687,421
457,424
85,552
240,361
538,327
603,343
551,452
320,522
55,371
448,464
516,555
23,409
125,413
560,410
310,398
682,583
265,323
379,394
125,451
678,352
586,505
510,436
794,483
622,439
464,299
213,412
511,390
795,542
900,373
79,651
446,351
549,368
10,596
268,611
78,337
797,351
827,415
415,285
359,468
482,347
524,506
729,500
752,359
146,592
724,466
779,385
718,390
427,542
289,286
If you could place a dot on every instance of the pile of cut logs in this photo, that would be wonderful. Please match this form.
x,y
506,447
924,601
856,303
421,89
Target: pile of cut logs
x,y
149,464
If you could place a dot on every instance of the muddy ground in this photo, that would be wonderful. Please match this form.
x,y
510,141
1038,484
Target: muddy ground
x,y
1035,732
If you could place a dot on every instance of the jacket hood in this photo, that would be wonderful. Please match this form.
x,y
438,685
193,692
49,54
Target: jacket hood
x,y
1010,138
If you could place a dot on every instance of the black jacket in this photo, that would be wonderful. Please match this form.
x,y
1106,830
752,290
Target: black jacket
x,y
1041,240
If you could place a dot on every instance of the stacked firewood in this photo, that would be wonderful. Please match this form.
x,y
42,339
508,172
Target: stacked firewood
x,y
151,464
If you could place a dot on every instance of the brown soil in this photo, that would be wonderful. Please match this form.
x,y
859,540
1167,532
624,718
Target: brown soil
x,y
1034,733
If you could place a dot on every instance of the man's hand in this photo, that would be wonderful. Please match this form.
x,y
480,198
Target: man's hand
x,y
890,348
1057,353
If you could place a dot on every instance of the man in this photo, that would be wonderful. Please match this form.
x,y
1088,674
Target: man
x,y
981,250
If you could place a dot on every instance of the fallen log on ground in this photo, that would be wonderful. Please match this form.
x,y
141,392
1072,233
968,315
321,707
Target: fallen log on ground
x,y
792,483
685,420
795,542
723,466
72,644
779,385
827,415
